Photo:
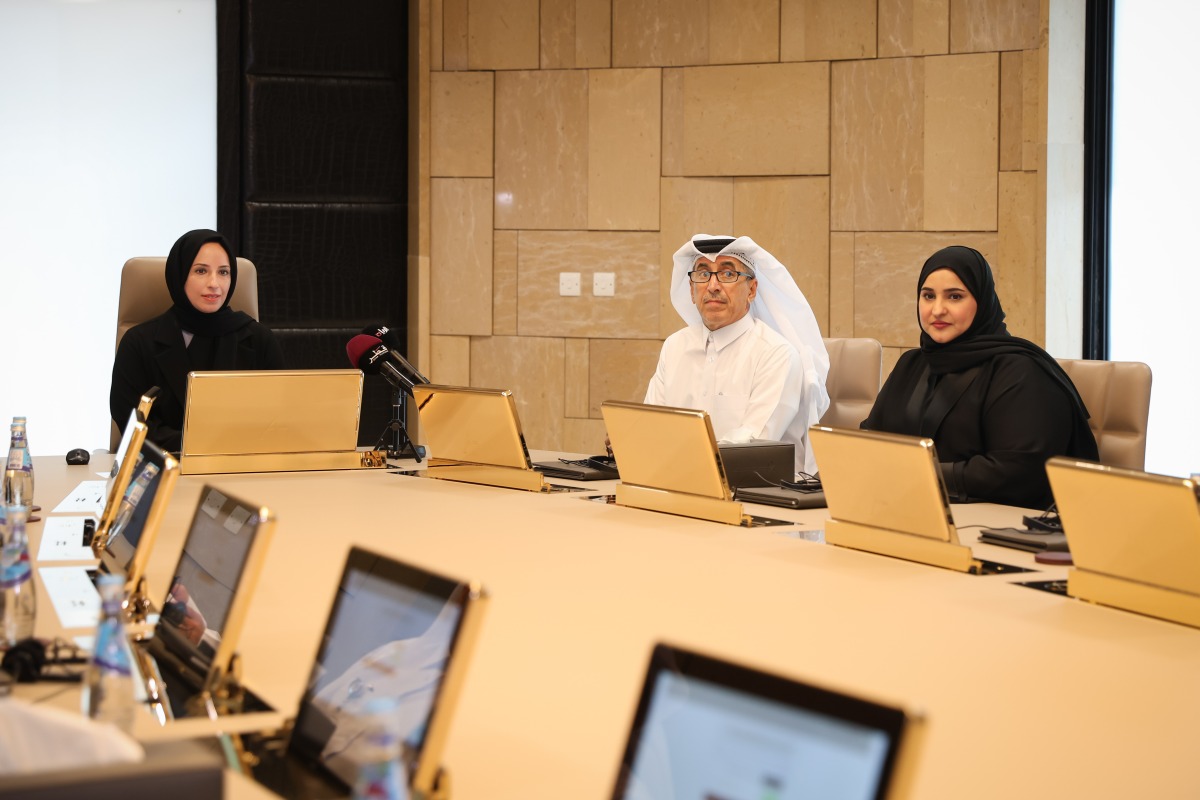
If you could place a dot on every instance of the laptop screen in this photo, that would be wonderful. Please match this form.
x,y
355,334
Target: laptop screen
x,y
710,730
220,554
139,511
391,634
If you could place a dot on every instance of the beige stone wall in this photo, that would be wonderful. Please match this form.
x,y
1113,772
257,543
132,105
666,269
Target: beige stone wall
x,y
851,138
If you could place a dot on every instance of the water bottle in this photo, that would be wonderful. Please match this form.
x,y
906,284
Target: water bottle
x,y
381,776
27,461
108,682
133,496
18,604
18,470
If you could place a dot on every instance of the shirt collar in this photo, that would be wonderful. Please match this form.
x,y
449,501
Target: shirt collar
x,y
723,337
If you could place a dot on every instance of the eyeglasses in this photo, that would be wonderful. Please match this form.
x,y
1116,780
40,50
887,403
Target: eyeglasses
x,y
724,276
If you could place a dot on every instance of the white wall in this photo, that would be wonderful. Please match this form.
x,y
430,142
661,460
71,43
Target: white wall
x,y
1155,289
107,151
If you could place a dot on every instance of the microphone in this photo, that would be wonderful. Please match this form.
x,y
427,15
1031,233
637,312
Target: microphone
x,y
391,338
373,357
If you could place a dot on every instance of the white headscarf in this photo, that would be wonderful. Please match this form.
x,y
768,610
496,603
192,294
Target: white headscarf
x,y
779,303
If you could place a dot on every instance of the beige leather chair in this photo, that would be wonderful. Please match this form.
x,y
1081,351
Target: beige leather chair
x,y
1117,395
144,296
855,375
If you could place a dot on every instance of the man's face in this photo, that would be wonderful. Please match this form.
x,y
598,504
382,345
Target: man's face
x,y
721,304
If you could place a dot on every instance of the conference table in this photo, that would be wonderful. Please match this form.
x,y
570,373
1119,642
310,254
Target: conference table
x,y
1021,692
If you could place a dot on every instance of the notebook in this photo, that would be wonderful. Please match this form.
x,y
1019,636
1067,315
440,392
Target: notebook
x,y
394,630
886,495
474,435
272,420
589,468
201,618
709,729
1134,538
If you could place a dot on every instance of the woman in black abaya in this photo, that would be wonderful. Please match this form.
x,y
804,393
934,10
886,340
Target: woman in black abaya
x,y
996,406
199,332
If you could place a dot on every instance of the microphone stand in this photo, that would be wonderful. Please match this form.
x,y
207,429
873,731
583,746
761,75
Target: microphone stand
x,y
401,445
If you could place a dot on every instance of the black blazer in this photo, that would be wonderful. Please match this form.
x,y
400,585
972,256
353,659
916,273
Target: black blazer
x,y
153,354
994,425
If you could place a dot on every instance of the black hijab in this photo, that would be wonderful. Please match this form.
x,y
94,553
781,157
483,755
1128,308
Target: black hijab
x,y
987,336
179,264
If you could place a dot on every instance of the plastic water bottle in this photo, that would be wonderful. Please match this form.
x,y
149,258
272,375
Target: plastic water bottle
x,y
381,776
133,496
108,682
18,603
18,469
27,461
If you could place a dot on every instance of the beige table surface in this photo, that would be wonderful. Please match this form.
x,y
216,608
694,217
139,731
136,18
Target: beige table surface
x,y
1025,693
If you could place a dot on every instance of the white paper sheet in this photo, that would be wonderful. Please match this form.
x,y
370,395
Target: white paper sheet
x,y
62,540
73,596
86,498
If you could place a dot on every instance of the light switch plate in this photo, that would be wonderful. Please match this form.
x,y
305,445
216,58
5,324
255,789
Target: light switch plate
x,y
604,284
568,284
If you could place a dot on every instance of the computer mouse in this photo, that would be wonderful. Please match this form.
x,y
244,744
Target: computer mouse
x,y
79,456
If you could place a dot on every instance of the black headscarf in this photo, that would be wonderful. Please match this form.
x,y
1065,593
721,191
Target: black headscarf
x,y
987,336
179,264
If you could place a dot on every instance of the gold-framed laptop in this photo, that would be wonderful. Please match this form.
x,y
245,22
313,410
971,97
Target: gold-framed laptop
x,y
127,546
189,666
405,634
886,495
1134,538
118,478
274,421
474,435
670,462
707,726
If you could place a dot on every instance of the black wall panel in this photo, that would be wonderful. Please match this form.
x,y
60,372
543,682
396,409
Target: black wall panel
x,y
312,160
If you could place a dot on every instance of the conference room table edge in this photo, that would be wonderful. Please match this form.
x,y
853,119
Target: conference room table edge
x,y
1018,690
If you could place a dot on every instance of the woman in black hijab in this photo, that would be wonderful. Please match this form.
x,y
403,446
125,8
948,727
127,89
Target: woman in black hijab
x,y
995,405
198,332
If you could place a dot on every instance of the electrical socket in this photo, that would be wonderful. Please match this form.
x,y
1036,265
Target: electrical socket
x,y
568,284
604,284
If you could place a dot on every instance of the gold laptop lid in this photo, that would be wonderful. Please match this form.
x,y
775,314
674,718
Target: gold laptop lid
x,y
666,448
471,426
272,411
883,480
1129,524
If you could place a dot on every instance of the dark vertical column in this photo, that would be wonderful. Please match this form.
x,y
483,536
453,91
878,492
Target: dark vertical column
x,y
1097,176
312,155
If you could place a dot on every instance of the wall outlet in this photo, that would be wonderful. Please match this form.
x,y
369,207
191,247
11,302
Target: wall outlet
x,y
568,284
604,284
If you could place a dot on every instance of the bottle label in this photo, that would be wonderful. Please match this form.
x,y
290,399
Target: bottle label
x,y
112,649
14,565
15,459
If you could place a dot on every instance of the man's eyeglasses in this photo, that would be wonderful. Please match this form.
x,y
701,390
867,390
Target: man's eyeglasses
x,y
724,276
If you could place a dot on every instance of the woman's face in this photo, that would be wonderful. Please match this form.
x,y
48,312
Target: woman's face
x,y
208,280
945,306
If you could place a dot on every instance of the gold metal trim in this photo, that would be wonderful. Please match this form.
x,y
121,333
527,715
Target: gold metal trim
x,y
489,475
224,661
137,600
900,545
429,780
116,491
728,512
1142,598
282,462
